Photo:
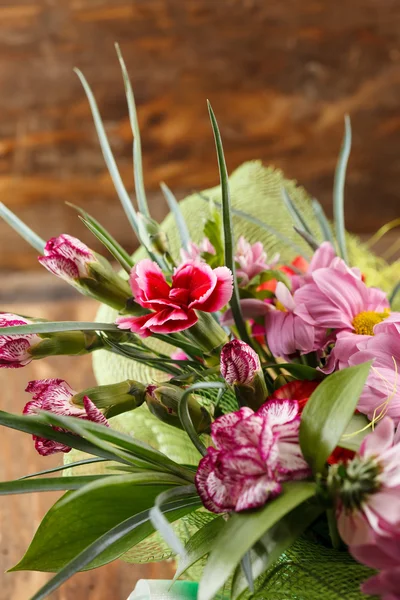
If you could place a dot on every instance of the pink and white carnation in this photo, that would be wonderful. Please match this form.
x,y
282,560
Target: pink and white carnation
x,y
67,257
194,251
54,395
239,363
290,329
195,286
253,453
251,260
14,349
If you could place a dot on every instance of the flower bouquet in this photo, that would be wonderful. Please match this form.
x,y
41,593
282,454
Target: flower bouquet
x,y
245,418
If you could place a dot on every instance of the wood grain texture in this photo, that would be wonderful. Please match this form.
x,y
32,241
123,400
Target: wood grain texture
x,y
280,76
21,515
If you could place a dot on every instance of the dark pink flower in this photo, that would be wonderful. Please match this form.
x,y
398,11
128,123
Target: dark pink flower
x,y
290,329
239,363
195,286
194,251
54,395
251,260
368,498
254,453
67,257
386,584
14,349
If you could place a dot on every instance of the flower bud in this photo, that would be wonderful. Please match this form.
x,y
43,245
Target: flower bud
x,y
241,368
18,350
71,260
354,481
152,235
114,399
163,402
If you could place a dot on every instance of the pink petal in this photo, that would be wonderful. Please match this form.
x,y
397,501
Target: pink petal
x,y
322,257
256,491
221,294
148,281
379,440
60,266
93,413
284,296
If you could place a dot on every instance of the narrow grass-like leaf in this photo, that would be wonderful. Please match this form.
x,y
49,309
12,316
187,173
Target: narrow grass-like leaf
x,y
328,412
298,371
159,521
108,155
294,212
59,326
35,426
49,484
307,238
178,216
136,448
103,543
394,293
78,463
275,542
137,146
247,570
184,414
23,230
228,231
113,250
251,219
242,531
199,545
338,189
323,222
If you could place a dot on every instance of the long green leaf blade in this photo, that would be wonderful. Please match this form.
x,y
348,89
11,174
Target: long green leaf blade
x,y
111,247
178,216
294,212
242,531
199,545
57,327
228,230
137,146
108,155
338,189
23,230
328,412
78,463
323,222
50,484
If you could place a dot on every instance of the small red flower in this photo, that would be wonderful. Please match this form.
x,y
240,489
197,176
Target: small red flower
x,y
195,286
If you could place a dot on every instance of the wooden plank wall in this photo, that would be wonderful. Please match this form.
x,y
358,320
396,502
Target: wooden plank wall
x,y
280,75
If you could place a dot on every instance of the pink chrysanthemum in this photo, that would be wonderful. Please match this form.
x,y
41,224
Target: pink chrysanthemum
x,y
54,395
251,260
195,286
254,453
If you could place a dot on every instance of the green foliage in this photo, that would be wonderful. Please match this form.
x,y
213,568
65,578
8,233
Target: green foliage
x,y
338,189
26,486
242,531
213,231
328,412
199,545
23,230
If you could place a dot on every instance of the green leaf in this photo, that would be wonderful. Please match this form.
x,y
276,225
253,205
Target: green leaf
x,y
159,521
394,293
97,434
108,155
132,529
96,228
184,414
355,432
23,230
328,412
228,231
59,326
178,216
307,238
112,248
26,486
81,517
243,530
275,542
299,371
35,426
294,212
78,463
338,189
137,146
213,231
323,222
199,545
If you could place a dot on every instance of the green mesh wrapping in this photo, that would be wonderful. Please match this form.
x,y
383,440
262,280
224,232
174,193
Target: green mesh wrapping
x,y
308,571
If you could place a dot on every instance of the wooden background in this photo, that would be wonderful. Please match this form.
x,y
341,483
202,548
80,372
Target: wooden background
x,y
280,76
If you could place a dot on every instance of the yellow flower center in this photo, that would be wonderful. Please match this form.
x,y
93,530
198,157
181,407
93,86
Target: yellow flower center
x,y
279,306
365,321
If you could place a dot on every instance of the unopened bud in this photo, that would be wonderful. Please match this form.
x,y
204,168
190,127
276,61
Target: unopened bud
x,y
241,368
115,398
354,481
163,402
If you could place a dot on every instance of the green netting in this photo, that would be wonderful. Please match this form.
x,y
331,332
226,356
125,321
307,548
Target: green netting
x,y
308,571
